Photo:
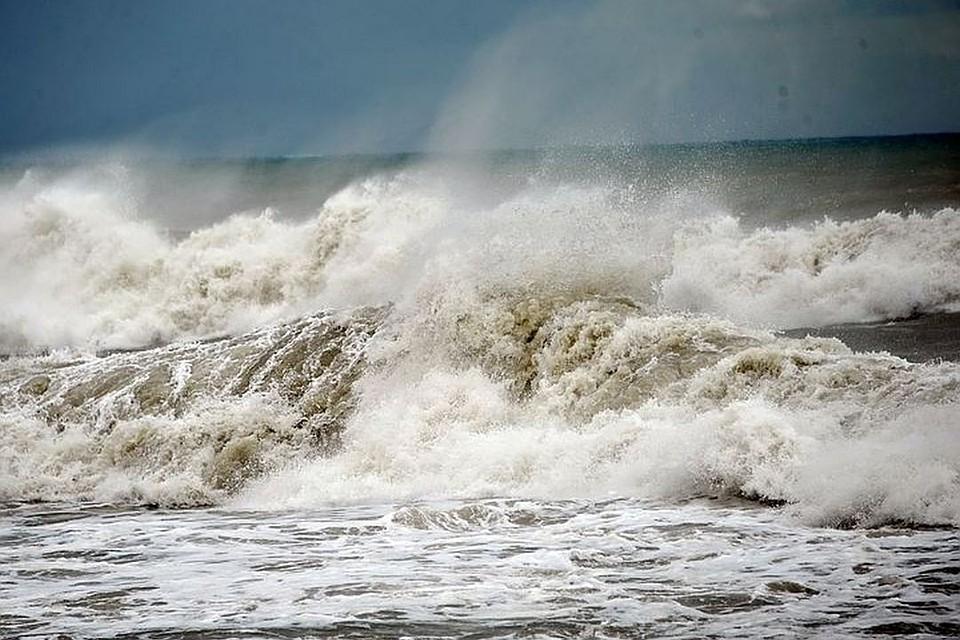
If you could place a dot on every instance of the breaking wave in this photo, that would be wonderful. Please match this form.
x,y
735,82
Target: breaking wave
x,y
565,341
888,266
81,270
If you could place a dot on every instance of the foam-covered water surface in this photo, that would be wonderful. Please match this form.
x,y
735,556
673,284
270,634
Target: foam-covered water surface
x,y
491,569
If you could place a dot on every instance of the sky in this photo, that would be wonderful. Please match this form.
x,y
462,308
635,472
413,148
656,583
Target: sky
x,y
304,77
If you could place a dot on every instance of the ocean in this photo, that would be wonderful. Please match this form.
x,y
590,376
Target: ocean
x,y
643,391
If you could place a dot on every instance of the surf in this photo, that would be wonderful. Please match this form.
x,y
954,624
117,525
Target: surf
x,y
422,337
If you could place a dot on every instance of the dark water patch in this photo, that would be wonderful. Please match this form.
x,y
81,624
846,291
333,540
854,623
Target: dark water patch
x,y
916,607
597,559
55,573
107,602
112,556
389,623
39,513
45,518
352,531
945,580
906,628
19,623
303,564
922,338
724,603
786,586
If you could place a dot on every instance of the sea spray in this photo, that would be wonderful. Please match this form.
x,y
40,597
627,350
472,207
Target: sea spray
x,y
559,341
85,271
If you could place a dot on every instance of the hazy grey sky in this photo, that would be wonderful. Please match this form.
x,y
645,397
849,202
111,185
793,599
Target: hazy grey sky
x,y
209,77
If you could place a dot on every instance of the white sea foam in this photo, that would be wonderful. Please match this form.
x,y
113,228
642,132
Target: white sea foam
x,y
845,439
185,460
565,341
888,266
81,269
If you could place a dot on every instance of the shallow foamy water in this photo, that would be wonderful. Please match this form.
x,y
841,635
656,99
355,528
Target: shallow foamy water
x,y
491,568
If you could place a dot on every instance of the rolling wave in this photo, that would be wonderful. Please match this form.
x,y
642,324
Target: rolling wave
x,y
83,271
563,342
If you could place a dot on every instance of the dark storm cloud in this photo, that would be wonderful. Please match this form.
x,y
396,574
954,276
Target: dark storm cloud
x,y
288,77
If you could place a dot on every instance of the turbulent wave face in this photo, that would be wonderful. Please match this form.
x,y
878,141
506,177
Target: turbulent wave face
x,y
410,341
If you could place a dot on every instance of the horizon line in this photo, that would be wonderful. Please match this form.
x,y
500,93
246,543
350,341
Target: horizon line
x,y
17,158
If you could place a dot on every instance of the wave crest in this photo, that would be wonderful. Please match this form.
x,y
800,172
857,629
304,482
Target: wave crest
x,y
560,342
888,266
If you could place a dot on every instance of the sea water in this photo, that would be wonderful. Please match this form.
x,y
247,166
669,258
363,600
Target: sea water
x,y
642,391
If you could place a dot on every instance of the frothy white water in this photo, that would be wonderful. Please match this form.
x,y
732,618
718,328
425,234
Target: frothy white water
x,y
552,344
662,407
81,269
182,460
494,568
888,266
580,399
181,425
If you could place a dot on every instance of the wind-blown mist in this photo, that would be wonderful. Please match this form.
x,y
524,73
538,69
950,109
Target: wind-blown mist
x,y
614,71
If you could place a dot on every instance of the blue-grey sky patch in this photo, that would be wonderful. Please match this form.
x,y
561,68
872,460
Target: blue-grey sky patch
x,y
239,77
